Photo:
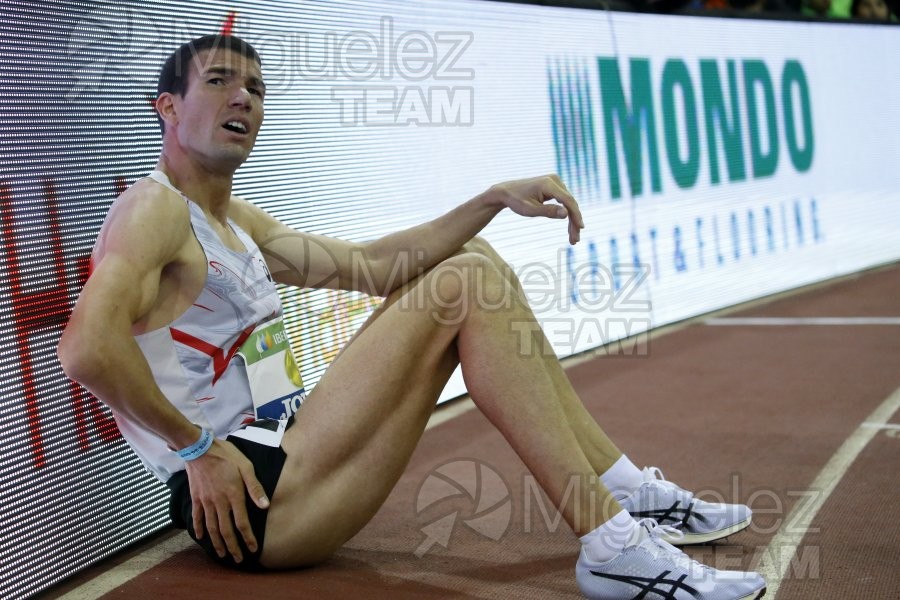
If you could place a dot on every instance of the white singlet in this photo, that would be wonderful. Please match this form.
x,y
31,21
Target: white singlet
x,y
216,361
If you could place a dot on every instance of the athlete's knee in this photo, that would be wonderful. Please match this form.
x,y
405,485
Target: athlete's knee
x,y
465,282
462,274
479,245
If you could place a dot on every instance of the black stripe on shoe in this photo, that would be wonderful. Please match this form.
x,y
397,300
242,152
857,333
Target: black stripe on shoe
x,y
673,514
660,586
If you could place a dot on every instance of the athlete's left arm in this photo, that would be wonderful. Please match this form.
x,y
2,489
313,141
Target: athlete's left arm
x,y
296,258
380,266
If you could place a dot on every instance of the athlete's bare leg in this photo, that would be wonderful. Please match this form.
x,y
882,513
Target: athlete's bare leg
x,y
357,430
600,451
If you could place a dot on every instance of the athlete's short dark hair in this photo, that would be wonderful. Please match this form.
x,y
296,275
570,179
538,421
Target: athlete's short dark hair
x,y
173,77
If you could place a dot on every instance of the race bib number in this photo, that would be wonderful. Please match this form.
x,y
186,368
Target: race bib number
x,y
275,382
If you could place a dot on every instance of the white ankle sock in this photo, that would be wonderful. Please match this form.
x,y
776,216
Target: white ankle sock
x,y
623,478
608,540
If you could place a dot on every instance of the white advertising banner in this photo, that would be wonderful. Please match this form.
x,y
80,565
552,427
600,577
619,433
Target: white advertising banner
x,y
715,160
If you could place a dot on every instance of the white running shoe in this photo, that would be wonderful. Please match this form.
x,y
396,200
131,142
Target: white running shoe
x,y
651,568
699,521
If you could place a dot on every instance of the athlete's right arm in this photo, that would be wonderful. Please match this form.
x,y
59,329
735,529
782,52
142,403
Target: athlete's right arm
x,y
146,232
143,233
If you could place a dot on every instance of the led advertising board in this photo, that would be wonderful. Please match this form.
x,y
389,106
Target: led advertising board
x,y
716,161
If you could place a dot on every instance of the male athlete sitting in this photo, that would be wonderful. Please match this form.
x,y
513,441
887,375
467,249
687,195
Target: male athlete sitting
x,y
193,353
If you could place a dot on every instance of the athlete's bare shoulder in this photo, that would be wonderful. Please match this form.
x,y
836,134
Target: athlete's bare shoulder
x,y
147,254
146,211
251,218
149,197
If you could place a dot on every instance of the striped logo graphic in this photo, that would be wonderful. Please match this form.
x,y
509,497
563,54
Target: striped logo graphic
x,y
572,119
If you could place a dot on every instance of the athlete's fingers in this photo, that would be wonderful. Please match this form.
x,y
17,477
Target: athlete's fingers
x,y
574,232
242,521
254,487
553,187
226,529
258,494
197,518
565,197
554,211
212,528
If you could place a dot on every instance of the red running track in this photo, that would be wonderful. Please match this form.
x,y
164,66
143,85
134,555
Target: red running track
x,y
797,417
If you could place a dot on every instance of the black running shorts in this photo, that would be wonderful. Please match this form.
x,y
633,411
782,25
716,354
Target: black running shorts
x,y
268,463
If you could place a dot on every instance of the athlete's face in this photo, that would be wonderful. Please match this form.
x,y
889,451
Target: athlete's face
x,y
221,112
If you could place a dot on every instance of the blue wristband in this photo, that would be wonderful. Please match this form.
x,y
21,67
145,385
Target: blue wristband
x,y
198,448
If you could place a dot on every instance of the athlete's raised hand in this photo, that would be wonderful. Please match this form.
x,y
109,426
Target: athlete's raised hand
x,y
529,197
217,481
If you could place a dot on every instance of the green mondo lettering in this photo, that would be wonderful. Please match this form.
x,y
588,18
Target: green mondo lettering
x,y
629,122
684,171
794,77
718,123
756,77
632,125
